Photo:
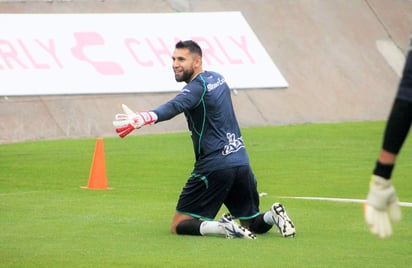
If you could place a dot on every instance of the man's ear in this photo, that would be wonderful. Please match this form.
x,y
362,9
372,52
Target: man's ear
x,y
198,62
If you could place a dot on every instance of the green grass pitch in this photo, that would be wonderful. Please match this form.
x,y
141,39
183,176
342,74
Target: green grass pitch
x,y
47,220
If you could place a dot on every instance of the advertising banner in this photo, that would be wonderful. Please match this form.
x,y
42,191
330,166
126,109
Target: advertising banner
x,y
47,54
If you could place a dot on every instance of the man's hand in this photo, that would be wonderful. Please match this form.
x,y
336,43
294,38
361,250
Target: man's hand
x,y
381,208
128,121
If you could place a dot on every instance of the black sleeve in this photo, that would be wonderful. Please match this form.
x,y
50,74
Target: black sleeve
x,y
397,126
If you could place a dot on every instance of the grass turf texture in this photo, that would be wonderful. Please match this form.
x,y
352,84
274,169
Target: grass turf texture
x,y
48,221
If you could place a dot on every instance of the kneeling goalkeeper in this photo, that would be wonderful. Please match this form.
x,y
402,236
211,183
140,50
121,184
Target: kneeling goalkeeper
x,y
222,174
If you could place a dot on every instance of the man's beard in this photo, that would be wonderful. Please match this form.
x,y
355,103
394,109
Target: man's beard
x,y
186,76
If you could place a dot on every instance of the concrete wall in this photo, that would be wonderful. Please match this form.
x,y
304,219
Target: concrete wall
x,y
326,49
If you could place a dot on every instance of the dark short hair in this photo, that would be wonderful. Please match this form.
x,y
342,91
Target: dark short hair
x,y
191,45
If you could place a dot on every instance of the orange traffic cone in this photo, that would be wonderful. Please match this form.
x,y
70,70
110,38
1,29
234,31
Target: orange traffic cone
x,y
97,177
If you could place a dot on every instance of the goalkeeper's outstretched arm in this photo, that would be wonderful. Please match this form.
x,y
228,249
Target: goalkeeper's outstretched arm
x,y
382,208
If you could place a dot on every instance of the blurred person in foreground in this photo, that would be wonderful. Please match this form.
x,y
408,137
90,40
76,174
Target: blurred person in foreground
x,y
381,208
222,174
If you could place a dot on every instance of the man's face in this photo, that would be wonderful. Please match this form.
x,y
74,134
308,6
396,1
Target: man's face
x,y
183,65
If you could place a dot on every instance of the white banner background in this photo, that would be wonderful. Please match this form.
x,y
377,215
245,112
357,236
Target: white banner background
x,y
117,53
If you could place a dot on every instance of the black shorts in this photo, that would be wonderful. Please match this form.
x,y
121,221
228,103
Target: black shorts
x,y
204,194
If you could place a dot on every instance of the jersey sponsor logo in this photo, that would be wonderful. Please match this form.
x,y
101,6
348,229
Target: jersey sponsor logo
x,y
219,82
234,145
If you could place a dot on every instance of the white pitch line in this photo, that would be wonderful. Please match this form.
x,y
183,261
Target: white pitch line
x,y
345,200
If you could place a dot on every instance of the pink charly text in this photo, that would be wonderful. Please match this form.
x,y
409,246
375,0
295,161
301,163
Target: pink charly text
x,y
28,54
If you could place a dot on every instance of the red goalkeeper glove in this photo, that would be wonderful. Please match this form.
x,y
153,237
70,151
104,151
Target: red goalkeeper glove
x,y
128,121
